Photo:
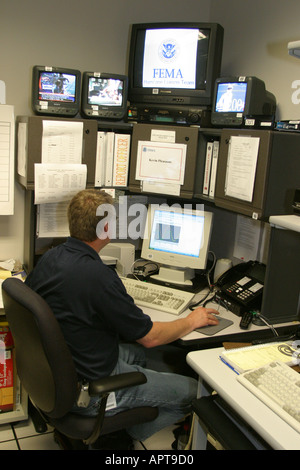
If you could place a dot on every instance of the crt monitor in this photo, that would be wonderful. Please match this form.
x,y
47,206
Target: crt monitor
x,y
174,63
55,91
104,95
239,98
178,240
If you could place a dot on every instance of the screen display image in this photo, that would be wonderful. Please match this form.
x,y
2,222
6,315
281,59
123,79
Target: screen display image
x,y
55,86
231,97
105,92
178,233
170,57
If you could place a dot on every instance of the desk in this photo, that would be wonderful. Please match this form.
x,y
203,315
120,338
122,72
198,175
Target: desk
x,y
222,379
231,333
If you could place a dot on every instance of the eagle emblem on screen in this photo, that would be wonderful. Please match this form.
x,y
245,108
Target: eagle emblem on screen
x,y
168,50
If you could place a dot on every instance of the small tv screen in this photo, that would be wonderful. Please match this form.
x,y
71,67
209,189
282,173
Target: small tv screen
x,y
55,86
104,95
55,91
105,91
231,97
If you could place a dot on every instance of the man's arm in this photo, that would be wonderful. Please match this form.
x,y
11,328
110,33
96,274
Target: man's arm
x,y
166,332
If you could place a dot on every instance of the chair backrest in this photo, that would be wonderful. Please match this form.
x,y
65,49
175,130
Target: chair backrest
x,y
44,363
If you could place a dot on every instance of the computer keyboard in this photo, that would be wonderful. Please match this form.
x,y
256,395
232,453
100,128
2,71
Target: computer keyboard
x,y
156,296
278,386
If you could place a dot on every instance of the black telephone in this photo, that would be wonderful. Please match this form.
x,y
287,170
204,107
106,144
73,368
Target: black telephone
x,y
242,286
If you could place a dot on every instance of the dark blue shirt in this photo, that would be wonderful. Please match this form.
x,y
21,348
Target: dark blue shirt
x,y
91,305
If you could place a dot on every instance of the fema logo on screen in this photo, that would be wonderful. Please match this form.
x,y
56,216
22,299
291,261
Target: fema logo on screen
x,y
168,50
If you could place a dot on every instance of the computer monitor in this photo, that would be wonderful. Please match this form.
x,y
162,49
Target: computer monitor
x,y
174,63
104,95
178,240
55,91
237,99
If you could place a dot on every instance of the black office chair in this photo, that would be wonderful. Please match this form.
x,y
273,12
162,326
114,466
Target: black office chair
x,y
47,372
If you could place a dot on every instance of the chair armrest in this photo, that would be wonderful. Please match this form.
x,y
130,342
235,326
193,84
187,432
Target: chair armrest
x,y
116,382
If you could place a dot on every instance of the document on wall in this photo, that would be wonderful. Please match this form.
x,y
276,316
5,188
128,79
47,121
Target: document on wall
x,y
62,141
52,220
7,159
161,162
56,183
241,167
247,238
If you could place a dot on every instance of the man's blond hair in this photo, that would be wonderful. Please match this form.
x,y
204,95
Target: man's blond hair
x,y
82,216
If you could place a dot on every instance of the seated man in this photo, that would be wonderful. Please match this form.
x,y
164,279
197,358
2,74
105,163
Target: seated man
x,y
98,318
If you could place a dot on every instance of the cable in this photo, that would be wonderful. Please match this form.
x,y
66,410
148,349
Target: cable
x,y
264,320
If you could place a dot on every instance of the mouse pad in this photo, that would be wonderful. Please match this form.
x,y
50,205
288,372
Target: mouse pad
x,y
213,329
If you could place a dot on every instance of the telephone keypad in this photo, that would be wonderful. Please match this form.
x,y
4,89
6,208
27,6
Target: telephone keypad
x,y
243,293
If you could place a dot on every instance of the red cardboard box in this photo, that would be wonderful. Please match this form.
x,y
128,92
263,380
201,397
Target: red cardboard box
x,y
6,380
6,336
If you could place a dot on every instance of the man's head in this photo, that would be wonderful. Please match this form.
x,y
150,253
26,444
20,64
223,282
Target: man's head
x,y
82,216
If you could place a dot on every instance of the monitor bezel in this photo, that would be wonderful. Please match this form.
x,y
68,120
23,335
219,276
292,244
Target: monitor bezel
x,y
106,112
52,107
137,94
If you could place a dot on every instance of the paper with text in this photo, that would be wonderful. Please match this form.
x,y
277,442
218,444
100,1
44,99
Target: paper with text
x,y
62,142
241,167
247,238
56,183
52,220
7,159
161,162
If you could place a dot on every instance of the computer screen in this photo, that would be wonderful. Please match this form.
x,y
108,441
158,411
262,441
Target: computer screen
x,y
178,240
238,99
174,63
104,95
56,90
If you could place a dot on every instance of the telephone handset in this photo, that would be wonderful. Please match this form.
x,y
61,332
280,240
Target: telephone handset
x,y
244,283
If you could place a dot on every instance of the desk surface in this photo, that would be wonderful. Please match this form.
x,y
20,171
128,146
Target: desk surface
x,y
223,380
231,333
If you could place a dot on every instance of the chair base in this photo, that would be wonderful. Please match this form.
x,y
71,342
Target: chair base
x,y
119,440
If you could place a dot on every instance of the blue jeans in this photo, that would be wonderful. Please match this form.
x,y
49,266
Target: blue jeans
x,y
171,393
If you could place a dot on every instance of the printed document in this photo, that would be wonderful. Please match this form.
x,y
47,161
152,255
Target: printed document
x,y
241,167
7,159
56,183
161,162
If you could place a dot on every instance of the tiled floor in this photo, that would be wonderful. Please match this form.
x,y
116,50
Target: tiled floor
x,y
22,436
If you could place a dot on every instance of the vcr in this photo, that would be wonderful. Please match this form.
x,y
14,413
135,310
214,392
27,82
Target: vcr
x,y
170,114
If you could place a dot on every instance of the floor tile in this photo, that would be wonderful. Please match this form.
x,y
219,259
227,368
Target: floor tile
x,y
39,442
162,440
9,445
6,432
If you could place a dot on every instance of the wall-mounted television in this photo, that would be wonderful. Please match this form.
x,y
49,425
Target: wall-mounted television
x,y
172,64
55,91
104,95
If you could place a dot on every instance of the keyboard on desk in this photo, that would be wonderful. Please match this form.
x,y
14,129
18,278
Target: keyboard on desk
x,y
155,296
278,386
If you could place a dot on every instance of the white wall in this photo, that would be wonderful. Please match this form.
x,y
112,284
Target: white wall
x,y
93,35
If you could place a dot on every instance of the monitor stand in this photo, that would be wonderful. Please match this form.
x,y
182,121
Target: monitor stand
x,y
175,276
182,279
